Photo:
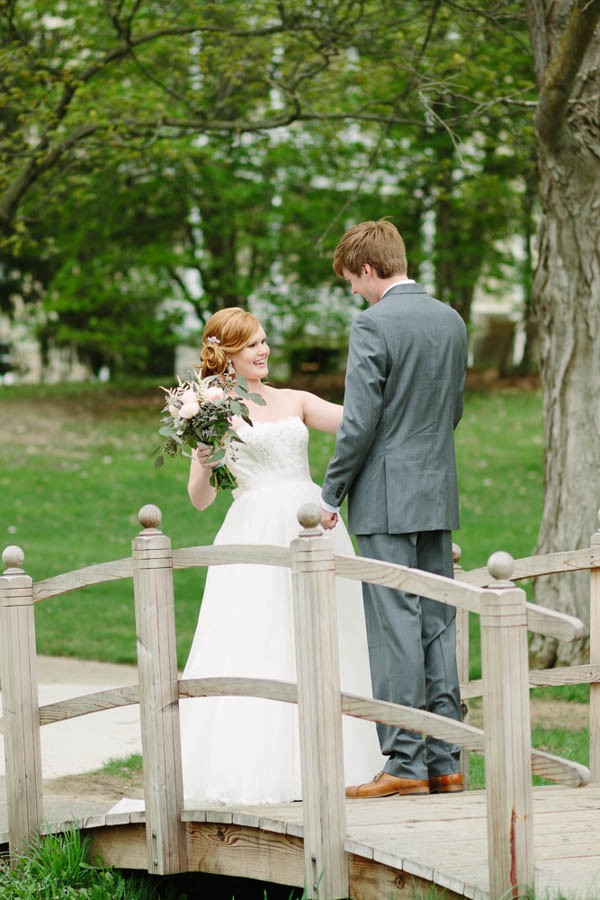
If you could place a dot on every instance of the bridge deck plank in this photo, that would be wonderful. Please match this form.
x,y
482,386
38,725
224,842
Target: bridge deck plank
x,y
440,839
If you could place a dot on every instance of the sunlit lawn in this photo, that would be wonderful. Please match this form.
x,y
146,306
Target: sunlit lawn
x,y
77,467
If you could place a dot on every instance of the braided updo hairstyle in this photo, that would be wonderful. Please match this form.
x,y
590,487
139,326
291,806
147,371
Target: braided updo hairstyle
x,y
233,329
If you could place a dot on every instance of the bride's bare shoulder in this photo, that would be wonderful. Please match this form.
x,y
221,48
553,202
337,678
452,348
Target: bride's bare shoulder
x,y
286,399
282,393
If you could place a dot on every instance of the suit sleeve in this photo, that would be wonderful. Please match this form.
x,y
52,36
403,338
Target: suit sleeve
x,y
460,396
366,373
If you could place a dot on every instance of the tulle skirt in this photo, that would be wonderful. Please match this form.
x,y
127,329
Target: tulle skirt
x,y
246,750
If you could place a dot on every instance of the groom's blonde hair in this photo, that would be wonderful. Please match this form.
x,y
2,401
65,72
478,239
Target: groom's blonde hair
x,y
378,243
226,332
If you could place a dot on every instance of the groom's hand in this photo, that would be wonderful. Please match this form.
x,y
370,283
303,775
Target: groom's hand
x,y
328,519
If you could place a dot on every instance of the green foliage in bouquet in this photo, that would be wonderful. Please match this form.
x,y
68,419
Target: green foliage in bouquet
x,y
200,411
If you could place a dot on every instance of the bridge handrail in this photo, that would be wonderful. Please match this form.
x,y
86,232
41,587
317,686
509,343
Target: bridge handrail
x,y
185,558
462,595
550,766
547,564
457,592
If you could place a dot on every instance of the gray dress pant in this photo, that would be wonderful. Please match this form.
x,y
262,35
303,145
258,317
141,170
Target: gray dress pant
x,y
412,651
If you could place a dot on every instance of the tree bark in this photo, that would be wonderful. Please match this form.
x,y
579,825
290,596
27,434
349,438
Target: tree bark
x,y
566,295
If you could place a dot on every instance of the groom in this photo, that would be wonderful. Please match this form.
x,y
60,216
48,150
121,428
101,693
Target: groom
x,y
394,459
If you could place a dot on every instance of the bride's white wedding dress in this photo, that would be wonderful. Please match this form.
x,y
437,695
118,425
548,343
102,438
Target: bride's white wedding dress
x,y
246,750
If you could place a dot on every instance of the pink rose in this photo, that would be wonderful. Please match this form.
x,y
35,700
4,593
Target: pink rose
x,y
213,394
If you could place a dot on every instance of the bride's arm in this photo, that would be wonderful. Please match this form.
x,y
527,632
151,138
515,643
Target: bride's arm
x,y
321,414
200,491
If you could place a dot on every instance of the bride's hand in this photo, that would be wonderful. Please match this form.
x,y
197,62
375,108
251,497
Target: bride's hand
x,y
203,454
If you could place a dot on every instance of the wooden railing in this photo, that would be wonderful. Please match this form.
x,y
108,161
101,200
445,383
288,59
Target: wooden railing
x,y
504,567
505,618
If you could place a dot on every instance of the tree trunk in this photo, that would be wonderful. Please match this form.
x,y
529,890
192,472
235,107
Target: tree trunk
x,y
529,361
566,298
567,304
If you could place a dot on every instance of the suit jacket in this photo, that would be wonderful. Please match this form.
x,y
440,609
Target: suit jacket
x,y
394,454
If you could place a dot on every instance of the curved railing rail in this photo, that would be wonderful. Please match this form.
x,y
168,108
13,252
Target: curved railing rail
x,y
505,617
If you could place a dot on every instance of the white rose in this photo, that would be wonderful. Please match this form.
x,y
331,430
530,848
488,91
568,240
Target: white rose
x,y
189,409
189,396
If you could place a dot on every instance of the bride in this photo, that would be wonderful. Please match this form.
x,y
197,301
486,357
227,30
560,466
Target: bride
x,y
239,749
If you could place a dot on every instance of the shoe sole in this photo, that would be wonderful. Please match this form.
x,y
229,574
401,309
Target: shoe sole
x,y
391,794
448,790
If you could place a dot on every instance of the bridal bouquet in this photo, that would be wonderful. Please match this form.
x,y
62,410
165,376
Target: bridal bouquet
x,y
199,411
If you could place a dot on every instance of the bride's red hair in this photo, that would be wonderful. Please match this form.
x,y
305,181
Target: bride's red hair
x,y
231,330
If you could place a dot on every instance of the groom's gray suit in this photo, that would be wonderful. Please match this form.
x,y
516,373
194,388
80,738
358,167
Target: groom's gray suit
x,y
394,459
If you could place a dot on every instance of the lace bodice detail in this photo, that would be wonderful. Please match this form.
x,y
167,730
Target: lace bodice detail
x,y
271,452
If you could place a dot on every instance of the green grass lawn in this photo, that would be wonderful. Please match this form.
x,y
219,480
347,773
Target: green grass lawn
x,y
77,467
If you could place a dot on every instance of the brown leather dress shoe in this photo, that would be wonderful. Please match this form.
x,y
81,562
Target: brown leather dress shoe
x,y
386,785
446,784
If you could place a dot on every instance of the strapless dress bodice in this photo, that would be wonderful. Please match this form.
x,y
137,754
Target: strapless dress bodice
x,y
269,454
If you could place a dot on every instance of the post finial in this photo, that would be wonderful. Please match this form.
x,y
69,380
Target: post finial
x,y
501,565
309,516
456,553
150,516
13,558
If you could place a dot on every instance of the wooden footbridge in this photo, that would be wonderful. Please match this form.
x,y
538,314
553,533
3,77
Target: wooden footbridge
x,y
497,843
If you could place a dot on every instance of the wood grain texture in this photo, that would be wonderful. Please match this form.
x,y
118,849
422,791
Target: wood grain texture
x,y
507,741
533,566
222,555
446,590
22,747
396,845
230,849
159,705
89,703
80,578
319,714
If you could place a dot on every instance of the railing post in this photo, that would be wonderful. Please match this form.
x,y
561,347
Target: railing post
x,y
159,692
20,703
507,725
595,657
462,660
319,711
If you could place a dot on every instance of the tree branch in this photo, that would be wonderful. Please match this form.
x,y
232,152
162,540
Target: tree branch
x,y
538,37
26,178
562,70
491,17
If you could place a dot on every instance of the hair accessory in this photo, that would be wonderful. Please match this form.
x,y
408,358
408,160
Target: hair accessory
x,y
213,340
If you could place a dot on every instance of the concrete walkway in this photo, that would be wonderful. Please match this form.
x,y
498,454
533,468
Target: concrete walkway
x,y
83,744
87,742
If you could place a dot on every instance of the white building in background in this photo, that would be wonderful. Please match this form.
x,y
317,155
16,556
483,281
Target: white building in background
x,y
497,332
21,360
